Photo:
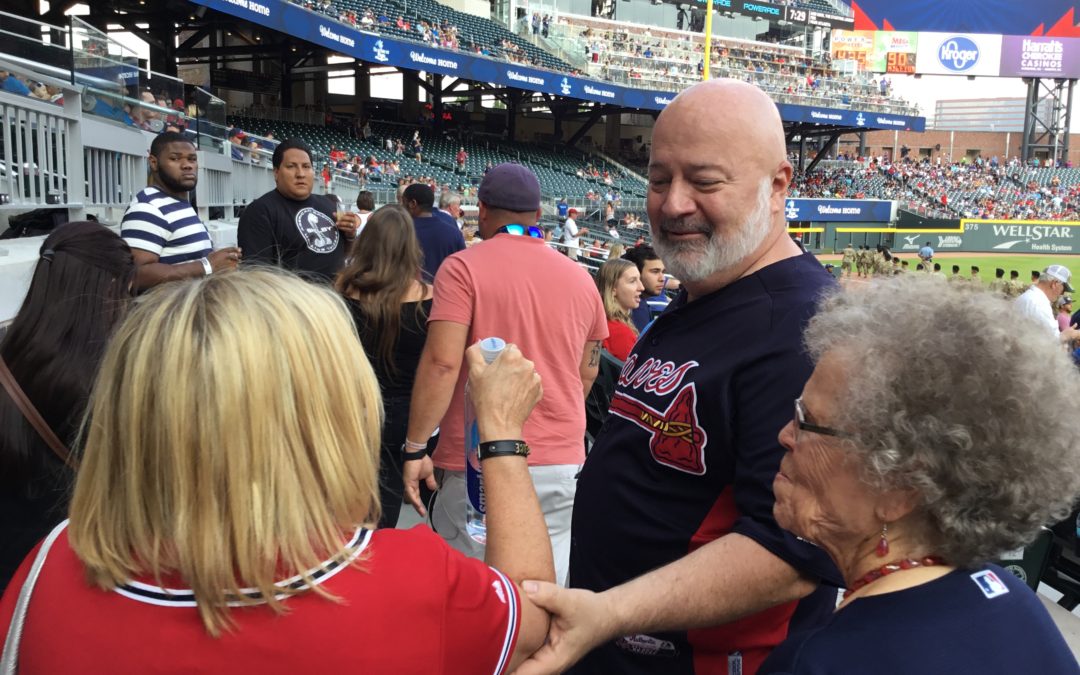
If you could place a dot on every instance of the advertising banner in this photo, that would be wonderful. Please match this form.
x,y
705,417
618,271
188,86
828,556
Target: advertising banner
x,y
997,236
1040,57
839,210
852,45
318,29
766,10
894,52
958,54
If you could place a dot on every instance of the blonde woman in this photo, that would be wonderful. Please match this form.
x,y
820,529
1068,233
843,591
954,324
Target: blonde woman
x,y
222,518
620,288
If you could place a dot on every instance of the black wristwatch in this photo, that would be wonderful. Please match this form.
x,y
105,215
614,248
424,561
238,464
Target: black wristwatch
x,y
407,456
503,449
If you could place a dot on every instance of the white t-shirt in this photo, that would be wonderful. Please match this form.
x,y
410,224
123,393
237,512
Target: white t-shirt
x,y
1034,304
570,232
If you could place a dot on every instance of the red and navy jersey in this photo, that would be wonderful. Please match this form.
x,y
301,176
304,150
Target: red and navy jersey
x,y
688,455
414,605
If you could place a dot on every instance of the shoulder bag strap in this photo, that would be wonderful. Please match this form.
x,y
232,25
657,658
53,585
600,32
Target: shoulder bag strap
x,y
33,416
9,662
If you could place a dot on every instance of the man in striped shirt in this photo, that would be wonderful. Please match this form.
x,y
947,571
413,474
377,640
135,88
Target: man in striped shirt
x,y
165,234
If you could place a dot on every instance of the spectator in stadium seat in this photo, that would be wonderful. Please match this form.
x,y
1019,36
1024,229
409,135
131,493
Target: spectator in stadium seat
x,y
450,204
164,232
619,284
365,204
263,465
290,226
11,83
654,298
679,482
438,233
504,287
383,288
79,291
1037,302
236,138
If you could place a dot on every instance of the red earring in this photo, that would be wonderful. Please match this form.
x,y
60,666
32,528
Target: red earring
x,y
883,543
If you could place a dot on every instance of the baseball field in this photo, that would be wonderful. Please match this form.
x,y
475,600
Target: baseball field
x,y
1023,263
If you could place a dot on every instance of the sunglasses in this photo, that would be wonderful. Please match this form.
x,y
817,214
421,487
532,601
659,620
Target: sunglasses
x,y
520,230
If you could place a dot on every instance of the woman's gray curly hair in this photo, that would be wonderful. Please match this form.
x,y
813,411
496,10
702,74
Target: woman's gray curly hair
x,y
953,393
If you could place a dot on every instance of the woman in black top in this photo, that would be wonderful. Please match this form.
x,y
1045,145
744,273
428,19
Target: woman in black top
x,y
80,290
390,305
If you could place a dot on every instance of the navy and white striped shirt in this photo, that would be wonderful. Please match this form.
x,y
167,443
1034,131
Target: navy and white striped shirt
x,y
165,226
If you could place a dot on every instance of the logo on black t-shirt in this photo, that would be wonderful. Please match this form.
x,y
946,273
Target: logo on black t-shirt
x,y
318,230
676,438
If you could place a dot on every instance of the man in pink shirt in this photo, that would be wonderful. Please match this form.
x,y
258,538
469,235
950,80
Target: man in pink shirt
x,y
512,286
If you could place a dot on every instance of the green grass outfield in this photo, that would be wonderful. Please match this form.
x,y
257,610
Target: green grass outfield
x,y
1023,263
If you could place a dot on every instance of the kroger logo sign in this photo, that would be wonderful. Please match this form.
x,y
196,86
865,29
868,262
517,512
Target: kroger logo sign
x,y
958,54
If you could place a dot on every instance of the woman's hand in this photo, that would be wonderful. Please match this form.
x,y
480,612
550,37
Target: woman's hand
x,y
503,393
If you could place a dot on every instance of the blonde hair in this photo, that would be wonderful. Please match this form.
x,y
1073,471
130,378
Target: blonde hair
x,y
607,279
232,438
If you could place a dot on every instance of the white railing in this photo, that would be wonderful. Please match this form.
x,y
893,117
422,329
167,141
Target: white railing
x,y
34,160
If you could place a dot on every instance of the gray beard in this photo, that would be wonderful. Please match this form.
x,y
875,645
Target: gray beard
x,y
697,261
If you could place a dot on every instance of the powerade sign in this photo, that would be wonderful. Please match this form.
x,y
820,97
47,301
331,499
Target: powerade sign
x,y
958,54
372,48
762,9
838,210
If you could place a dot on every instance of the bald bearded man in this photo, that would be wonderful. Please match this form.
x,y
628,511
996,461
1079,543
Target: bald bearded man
x,y
683,567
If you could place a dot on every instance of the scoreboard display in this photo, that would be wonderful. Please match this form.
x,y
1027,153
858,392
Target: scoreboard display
x,y
902,63
877,51
894,52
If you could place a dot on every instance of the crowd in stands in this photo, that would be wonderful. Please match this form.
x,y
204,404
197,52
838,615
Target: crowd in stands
x,y
155,111
665,59
437,33
976,188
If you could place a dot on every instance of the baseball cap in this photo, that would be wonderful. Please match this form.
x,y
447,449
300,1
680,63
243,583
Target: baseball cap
x,y
510,186
1059,273
572,212
238,133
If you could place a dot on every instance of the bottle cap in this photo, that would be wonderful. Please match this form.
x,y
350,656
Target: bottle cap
x,y
491,348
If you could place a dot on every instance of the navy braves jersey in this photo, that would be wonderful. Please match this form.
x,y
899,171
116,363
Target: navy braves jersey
x,y
689,453
982,621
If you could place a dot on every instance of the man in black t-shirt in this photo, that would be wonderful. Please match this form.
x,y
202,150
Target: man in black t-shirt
x,y
293,228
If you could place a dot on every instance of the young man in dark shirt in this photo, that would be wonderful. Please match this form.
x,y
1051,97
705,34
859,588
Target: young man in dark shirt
x,y
293,228
438,234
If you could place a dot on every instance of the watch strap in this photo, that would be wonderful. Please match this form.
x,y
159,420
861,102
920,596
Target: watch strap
x,y
502,449
407,456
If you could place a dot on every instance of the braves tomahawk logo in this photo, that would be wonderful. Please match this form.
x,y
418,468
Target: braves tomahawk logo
x,y
676,438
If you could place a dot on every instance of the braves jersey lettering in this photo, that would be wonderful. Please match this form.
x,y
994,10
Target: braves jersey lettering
x,y
676,439
658,377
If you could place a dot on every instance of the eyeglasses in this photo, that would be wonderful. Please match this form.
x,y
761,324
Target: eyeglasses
x,y
802,425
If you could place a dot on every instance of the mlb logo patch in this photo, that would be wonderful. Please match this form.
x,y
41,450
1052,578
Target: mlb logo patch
x,y
989,584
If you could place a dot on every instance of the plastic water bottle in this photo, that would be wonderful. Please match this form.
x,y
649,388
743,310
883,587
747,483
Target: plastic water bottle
x,y
476,507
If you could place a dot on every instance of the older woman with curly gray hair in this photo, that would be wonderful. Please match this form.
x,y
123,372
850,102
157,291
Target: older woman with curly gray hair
x,y
912,488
